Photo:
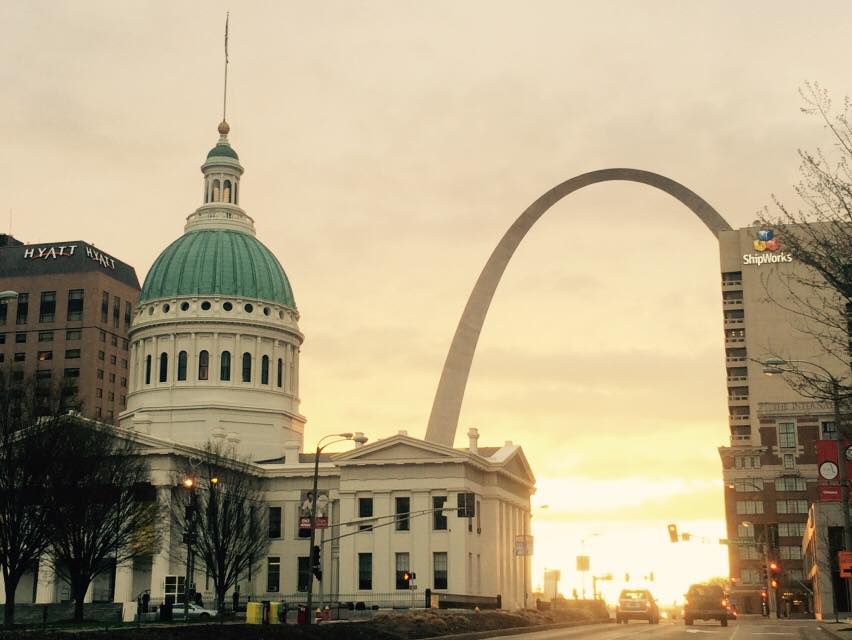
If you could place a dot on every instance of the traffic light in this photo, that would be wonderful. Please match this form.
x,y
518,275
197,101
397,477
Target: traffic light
x,y
774,584
774,573
685,536
407,577
315,562
673,532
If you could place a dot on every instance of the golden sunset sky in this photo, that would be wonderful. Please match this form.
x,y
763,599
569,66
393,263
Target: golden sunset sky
x,y
389,144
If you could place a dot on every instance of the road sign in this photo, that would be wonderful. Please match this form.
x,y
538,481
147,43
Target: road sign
x,y
844,560
523,545
828,493
582,563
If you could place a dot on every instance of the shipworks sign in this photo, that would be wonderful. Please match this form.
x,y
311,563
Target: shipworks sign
x,y
768,249
54,252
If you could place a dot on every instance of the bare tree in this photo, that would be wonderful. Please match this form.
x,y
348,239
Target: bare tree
x,y
29,413
103,509
222,511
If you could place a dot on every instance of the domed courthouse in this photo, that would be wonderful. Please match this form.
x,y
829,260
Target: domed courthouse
x,y
214,357
215,340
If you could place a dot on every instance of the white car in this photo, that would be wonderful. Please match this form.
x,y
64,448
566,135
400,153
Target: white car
x,y
195,612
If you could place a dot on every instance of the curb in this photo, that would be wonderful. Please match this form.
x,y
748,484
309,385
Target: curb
x,y
832,634
513,631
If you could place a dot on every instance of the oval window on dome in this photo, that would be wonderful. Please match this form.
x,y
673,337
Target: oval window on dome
x,y
280,315
166,308
205,306
184,306
227,306
266,311
248,308
151,310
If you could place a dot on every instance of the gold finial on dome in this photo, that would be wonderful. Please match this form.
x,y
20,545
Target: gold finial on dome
x,y
224,127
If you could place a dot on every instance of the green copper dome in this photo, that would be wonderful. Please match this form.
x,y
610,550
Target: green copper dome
x,y
223,150
218,262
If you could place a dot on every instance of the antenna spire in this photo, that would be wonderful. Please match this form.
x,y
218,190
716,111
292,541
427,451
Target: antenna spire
x,y
224,124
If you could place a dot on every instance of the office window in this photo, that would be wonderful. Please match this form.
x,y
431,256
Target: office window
x,y
112,377
2,338
828,430
181,370
790,552
264,370
113,340
20,338
749,507
791,506
148,369
128,312
203,365
102,336
111,396
47,308
23,308
123,363
791,484
791,529
365,571
100,374
112,360
787,435
439,565
225,366
439,518
75,305
750,576
748,552
43,375
402,566
789,461
403,507
105,307
101,355
124,344
44,356
4,311
748,484
2,357
744,531
73,334
304,575
279,377
71,373
274,522
99,393
273,573
365,507
20,356
124,382
45,336
246,367
116,311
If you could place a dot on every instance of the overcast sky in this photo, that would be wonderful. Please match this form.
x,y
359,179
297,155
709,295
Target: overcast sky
x,y
388,146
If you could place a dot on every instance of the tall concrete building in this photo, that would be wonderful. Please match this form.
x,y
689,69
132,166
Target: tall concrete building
x,y
69,320
769,468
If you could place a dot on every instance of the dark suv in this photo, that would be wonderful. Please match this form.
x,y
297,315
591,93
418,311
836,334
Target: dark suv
x,y
705,602
636,604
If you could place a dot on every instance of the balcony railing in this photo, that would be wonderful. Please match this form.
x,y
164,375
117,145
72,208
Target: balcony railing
x,y
738,438
737,378
734,339
735,359
730,322
732,283
733,302
738,419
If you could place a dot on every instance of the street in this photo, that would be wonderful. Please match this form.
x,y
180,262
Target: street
x,y
747,628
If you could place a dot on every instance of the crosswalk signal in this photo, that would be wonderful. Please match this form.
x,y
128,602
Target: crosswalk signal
x,y
673,533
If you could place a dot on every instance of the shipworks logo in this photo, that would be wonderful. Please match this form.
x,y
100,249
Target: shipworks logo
x,y
766,242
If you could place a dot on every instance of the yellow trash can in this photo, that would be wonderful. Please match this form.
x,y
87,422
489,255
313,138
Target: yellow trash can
x,y
254,613
274,612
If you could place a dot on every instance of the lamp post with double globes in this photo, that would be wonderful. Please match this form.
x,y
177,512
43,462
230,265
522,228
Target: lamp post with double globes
x,y
358,439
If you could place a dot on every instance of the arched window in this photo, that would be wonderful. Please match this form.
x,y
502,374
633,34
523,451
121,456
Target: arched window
x,y
148,369
216,190
206,191
264,370
226,191
225,366
236,193
280,377
246,367
181,373
164,367
203,365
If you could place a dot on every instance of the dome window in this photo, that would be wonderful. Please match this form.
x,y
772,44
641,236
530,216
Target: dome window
x,y
205,306
247,367
151,310
181,366
264,370
203,365
266,311
166,308
225,366
184,306
164,367
148,369
227,306
280,315
226,191
248,308
280,374
216,191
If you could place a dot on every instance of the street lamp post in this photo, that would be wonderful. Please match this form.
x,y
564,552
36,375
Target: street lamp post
x,y
360,439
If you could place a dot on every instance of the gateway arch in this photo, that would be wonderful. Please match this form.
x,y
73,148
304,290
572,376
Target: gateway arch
x,y
443,421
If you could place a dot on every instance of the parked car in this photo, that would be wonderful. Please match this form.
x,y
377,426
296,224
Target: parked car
x,y
705,602
636,604
196,612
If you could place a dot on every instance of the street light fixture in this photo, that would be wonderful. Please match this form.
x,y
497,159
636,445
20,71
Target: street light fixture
x,y
358,438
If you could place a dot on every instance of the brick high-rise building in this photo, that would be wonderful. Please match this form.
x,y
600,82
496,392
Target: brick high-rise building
x,y
769,469
69,319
